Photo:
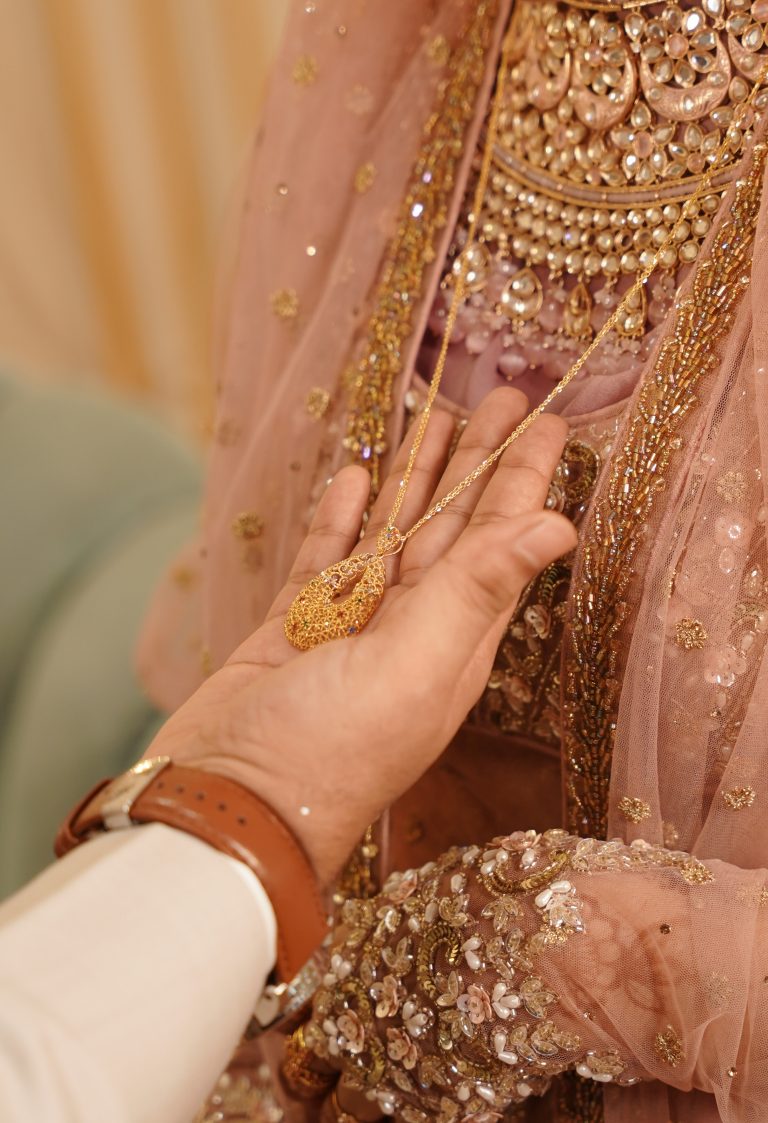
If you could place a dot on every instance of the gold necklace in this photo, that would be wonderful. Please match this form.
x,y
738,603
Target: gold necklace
x,y
321,611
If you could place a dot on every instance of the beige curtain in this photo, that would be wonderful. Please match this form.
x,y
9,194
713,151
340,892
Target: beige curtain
x,y
123,124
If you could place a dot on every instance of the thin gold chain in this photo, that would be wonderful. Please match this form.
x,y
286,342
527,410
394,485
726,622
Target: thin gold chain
x,y
459,290
394,541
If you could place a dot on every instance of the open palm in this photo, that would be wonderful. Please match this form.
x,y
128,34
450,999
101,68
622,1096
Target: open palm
x,y
331,736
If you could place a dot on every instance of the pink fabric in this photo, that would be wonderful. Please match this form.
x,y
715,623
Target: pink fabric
x,y
691,724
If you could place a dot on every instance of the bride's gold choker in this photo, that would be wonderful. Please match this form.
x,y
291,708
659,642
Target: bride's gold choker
x,y
611,116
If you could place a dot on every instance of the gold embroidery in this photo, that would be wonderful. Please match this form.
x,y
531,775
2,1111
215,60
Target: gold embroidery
x,y
364,178
183,577
358,880
599,607
458,994
739,798
668,1047
285,303
719,989
690,634
732,486
359,100
591,855
633,809
607,1063
732,1071
304,72
438,50
436,977
751,895
248,525
695,872
317,402
299,1069
665,929
412,248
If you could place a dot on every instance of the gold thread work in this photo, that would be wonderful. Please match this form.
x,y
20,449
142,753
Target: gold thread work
x,y
599,608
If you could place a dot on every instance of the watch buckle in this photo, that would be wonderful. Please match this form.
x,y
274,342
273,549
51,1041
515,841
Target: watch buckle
x,y
118,798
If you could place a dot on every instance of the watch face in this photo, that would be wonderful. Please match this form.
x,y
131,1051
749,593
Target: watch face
x,y
118,798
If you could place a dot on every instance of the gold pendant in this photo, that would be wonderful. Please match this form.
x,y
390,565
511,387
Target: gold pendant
x,y
321,611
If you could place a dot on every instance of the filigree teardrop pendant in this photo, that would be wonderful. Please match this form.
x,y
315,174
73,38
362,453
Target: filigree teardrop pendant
x,y
321,611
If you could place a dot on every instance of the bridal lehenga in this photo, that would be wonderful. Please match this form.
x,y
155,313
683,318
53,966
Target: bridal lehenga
x,y
495,954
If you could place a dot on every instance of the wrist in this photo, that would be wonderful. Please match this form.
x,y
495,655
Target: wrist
x,y
326,840
228,817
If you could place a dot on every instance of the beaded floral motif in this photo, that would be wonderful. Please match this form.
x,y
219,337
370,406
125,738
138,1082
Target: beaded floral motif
x,y
739,798
633,809
304,71
248,525
317,402
433,999
732,486
690,634
614,537
668,1047
285,303
365,177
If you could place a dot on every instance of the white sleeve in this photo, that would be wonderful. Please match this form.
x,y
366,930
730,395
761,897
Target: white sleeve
x,y
128,972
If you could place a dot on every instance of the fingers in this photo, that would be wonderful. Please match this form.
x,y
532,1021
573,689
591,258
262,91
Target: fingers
x,y
524,473
517,485
492,422
429,465
333,532
507,541
443,621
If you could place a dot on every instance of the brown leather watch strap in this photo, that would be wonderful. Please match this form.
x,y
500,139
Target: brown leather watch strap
x,y
230,818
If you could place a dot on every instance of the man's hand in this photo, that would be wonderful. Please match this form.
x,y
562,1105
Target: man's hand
x,y
331,737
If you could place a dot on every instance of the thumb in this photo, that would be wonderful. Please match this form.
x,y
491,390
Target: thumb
x,y
478,582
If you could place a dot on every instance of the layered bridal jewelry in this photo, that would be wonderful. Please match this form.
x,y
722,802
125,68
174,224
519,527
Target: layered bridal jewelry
x,y
341,600
612,113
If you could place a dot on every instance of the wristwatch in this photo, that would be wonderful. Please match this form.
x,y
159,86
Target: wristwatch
x,y
232,819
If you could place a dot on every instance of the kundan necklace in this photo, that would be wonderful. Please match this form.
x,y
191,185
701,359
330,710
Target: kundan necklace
x,y
341,600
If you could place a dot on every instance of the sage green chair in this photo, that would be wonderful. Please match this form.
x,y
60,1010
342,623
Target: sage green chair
x,y
95,497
